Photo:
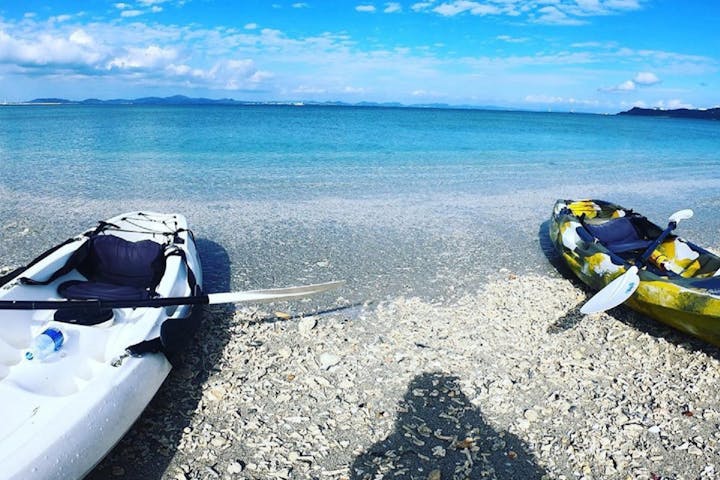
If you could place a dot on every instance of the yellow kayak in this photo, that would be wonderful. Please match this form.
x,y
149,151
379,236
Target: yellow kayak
x,y
679,281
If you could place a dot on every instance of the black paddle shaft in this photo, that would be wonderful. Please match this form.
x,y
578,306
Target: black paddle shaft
x,y
644,257
101,304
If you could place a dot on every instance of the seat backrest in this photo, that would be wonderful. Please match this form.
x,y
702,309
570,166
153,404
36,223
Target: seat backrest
x,y
118,261
616,230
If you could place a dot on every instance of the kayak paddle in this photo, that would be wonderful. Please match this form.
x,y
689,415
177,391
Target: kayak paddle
x,y
614,293
620,289
674,220
255,296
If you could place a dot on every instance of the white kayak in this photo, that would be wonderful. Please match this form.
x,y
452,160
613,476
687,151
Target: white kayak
x,y
61,415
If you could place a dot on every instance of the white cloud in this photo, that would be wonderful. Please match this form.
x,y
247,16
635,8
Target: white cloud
x,y
641,79
81,38
300,5
589,5
48,51
309,90
122,6
272,63
143,58
553,16
672,104
365,8
236,74
637,103
624,87
61,18
600,45
461,6
509,39
559,100
552,12
544,99
425,94
223,75
148,3
130,13
159,55
662,104
184,71
392,7
646,78
587,8
623,4
420,6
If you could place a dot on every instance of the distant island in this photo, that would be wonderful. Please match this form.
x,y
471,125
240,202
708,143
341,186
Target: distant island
x,y
709,114
173,100
183,100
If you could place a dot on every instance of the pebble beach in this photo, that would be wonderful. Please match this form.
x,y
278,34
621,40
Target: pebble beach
x,y
500,384
447,368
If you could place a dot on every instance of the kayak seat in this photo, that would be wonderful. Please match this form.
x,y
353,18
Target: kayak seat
x,y
619,235
711,283
82,290
116,269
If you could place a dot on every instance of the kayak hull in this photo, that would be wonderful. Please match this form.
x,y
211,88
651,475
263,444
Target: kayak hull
x,y
67,412
686,296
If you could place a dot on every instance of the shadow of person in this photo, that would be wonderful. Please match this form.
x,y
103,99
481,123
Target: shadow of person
x,y
440,435
147,448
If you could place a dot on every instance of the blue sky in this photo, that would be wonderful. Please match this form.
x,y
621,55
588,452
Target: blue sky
x,y
560,55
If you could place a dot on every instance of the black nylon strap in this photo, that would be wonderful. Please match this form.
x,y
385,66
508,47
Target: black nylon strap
x,y
192,280
102,225
75,259
71,263
174,334
148,346
10,275
37,259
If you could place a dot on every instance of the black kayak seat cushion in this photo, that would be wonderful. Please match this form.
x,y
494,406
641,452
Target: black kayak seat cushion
x,y
117,269
118,261
712,283
618,235
81,290
83,316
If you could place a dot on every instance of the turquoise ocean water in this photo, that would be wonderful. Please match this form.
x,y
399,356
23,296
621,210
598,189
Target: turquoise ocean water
x,y
396,200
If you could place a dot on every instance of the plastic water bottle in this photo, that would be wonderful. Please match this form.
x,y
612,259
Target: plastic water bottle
x,y
45,344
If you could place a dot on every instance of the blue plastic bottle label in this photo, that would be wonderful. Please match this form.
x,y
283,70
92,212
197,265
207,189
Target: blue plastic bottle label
x,y
57,337
48,342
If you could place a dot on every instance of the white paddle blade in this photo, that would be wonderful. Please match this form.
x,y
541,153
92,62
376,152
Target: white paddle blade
x,y
614,293
273,294
681,215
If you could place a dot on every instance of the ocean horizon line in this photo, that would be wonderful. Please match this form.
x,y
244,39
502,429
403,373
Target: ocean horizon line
x,y
183,100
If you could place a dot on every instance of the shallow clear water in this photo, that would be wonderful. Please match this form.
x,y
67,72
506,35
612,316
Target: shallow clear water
x,y
211,152
398,201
